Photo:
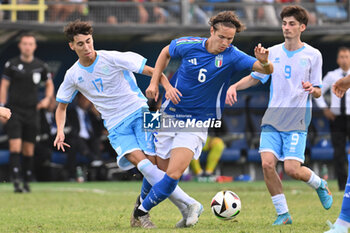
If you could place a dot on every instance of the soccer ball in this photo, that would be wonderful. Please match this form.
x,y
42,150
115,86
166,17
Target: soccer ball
x,y
225,205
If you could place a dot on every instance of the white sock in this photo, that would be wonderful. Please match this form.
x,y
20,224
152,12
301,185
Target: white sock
x,y
143,209
280,203
180,205
153,175
141,200
342,223
314,181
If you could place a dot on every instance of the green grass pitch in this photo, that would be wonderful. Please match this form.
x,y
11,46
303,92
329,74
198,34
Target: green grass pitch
x,y
106,207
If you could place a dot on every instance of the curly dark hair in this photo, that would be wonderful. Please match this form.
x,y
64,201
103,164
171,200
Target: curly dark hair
x,y
227,19
298,12
77,27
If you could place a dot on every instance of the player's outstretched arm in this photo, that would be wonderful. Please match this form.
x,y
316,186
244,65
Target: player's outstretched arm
x,y
5,113
263,65
244,83
60,122
341,86
153,91
161,63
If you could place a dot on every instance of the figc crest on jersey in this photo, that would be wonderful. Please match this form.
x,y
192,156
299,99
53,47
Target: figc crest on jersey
x,y
218,60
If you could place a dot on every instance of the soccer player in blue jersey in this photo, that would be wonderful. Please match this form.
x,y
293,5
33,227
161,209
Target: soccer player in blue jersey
x,y
342,224
297,77
202,78
106,79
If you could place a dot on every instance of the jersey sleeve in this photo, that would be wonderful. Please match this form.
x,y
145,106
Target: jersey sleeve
x,y
67,90
243,61
178,46
316,70
262,77
7,71
130,61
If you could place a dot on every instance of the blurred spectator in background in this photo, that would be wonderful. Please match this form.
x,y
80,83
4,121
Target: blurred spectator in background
x,y
19,89
331,12
195,14
249,12
82,118
157,14
214,146
266,14
61,12
113,14
338,113
141,12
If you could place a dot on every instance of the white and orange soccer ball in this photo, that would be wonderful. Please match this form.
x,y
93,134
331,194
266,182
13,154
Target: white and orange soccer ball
x,y
226,205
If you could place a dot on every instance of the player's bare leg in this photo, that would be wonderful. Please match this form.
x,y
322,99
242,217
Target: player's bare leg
x,y
274,185
294,169
179,161
272,180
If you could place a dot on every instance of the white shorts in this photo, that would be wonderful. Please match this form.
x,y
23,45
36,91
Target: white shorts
x,y
166,141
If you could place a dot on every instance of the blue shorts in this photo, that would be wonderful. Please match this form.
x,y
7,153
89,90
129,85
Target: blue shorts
x,y
284,145
129,136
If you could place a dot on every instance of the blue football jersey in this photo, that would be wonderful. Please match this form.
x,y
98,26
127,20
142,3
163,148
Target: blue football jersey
x,y
203,78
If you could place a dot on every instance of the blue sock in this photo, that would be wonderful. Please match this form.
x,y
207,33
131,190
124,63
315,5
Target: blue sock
x,y
159,192
345,207
146,187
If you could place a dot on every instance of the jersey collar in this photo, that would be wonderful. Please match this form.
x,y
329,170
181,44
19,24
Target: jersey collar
x,y
291,53
91,67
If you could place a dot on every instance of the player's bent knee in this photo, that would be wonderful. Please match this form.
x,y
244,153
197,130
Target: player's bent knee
x,y
176,175
292,172
268,166
135,157
218,142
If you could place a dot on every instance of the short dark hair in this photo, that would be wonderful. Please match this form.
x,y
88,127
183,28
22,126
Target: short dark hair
x,y
343,48
77,27
227,19
26,34
299,13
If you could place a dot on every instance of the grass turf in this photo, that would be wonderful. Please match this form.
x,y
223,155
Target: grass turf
x,y
107,206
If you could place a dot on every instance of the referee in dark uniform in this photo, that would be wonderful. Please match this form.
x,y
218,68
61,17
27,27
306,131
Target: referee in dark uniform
x,y
338,113
20,83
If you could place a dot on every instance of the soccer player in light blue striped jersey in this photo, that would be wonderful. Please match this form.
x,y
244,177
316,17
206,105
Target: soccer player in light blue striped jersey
x,y
106,79
297,77
207,65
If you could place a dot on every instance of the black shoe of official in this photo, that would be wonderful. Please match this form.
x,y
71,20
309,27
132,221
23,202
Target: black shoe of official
x,y
17,188
26,187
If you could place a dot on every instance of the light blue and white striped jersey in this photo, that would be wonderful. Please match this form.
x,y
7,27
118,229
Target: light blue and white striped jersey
x,y
109,83
290,105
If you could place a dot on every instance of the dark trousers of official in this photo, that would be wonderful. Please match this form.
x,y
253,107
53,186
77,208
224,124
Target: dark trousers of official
x,y
340,132
89,148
